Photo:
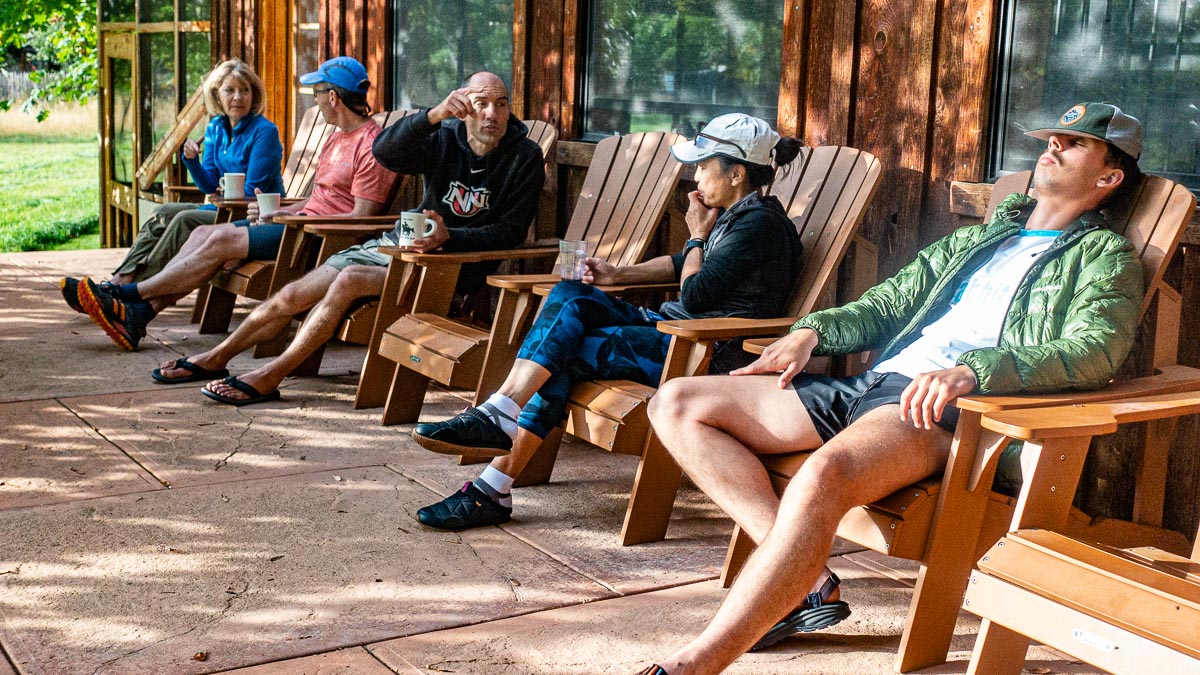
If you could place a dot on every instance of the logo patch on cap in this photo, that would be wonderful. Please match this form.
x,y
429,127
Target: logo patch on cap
x,y
1073,115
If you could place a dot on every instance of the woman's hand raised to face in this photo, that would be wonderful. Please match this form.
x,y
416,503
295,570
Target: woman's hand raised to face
x,y
191,149
700,219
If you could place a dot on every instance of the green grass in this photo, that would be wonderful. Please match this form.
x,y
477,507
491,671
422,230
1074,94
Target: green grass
x,y
48,191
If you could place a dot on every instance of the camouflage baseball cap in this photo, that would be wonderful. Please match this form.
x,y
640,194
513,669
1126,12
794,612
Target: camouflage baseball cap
x,y
1098,120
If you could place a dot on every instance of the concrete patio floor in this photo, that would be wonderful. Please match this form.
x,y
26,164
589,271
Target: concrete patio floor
x,y
145,529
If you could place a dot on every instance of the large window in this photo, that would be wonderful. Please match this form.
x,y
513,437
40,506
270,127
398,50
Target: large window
x,y
1142,55
658,65
440,42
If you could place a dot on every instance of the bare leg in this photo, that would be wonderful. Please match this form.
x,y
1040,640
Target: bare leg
x,y
872,458
352,283
523,381
523,450
186,272
265,321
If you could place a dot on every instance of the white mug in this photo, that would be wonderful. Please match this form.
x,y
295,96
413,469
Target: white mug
x,y
413,226
233,185
268,202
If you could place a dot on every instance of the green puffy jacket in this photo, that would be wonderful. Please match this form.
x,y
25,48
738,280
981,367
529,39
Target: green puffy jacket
x,y
1070,324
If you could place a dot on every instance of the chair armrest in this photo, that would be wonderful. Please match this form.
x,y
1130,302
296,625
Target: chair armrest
x,y
464,257
298,219
521,282
724,328
1089,419
180,193
328,228
1169,380
243,203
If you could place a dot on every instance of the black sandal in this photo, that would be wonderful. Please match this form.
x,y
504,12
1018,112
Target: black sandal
x,y
255,395
195,373
816,613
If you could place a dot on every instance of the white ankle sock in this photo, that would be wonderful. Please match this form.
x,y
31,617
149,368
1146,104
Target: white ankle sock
x,y
508,411
496,484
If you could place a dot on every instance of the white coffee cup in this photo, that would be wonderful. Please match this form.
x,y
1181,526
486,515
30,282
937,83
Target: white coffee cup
x,y
268,202
233,185
412,226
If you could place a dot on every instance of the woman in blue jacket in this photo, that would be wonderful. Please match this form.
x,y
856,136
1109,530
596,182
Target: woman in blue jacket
x,y
239,139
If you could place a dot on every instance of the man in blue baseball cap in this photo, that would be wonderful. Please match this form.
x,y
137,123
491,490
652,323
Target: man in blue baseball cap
x,y
346,76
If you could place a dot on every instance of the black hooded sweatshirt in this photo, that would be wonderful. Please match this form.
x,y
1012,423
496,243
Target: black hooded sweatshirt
x,y
487,202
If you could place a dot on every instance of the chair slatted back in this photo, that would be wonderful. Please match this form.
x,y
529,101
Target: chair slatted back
x,y
1149,219
825,191
625,193
544,134
301,166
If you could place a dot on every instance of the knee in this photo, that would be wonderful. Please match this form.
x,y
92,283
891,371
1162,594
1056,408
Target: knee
x,y
223,242
200,234
287,301
822,473
674,403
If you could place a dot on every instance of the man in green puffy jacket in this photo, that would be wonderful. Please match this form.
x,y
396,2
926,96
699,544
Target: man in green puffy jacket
x,y
1042,298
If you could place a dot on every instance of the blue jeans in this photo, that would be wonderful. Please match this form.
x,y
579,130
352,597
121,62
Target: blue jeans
x,y
585,334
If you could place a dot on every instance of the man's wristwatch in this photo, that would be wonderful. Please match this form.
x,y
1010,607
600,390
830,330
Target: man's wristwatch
x,y
695,242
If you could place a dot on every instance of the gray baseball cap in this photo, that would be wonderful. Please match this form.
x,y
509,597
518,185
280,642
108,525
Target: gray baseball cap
x,y
1098,120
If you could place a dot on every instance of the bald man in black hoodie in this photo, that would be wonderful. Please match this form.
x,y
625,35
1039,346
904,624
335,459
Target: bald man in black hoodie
x,y
482,180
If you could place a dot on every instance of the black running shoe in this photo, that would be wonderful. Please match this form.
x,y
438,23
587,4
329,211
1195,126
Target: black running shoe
x,y
467,508
69,287
112,314
471,432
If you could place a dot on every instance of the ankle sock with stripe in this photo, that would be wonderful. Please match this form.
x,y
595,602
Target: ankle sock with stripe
x,y
495,484
503,411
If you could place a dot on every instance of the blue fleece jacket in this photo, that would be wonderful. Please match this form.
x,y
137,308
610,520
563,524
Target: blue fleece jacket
x,y
252,148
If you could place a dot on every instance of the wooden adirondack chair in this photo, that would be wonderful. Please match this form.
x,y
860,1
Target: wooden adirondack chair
x,y
624,196
260,279
359,323
160,159
826,191
947,520
1126,611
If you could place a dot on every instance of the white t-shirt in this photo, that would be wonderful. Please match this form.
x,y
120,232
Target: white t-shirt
x,y
976,314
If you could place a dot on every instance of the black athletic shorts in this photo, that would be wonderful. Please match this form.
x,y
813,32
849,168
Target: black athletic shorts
x,y
264,239
834,403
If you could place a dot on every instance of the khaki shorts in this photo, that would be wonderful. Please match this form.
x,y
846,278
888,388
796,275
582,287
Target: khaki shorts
x,y
366,253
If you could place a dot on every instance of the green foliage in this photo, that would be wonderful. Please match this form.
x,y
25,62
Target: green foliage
x,y
48,192
63,33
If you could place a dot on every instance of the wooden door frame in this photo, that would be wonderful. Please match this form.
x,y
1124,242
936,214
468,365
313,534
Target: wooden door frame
x,y
116,45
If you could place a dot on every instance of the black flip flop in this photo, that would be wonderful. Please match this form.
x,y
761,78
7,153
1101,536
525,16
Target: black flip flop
x,y
816,614
255,395
196,373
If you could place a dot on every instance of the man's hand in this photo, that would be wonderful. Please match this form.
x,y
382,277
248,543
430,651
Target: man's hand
x,y
700,219
252,208
456,104
926,397
433,241
789,354
191,149
599,272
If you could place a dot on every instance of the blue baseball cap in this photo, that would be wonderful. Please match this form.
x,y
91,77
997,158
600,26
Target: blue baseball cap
x,y
344,72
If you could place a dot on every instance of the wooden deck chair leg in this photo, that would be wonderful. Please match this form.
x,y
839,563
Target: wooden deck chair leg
x,y
405,397
218,311
998,651
653,496
945,571
740,548
201,301
539,467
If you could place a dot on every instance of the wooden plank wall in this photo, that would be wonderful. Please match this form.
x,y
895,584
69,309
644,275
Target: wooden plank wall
x,y
361,29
